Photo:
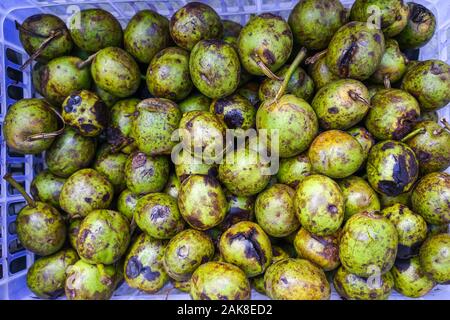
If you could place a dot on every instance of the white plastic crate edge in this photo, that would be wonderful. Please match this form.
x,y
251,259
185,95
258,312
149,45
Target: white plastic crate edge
x,y
13,286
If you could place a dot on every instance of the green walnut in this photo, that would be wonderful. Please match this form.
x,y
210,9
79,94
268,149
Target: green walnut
x,y
46,187
26,118
202,202
250,92
319,205
185,252
323,251
429,83
158,216
85,112
392,114
430,198
145,174
314,23
112,166
392,66
186,164
219,281
126,203
115,71
231,28
72,232
275,211
352,287
411,229
69,153
392,168
215,68
364,137
435,258
410,279
240,208
47,276
173,185
195,102
84,191
143,267
341,104
108,98
293,170
95,29
103,237
154,122
265,42
235,111
119,132
368,244
359,196
146,34
355,51
296,279
336,154
320,73
402,198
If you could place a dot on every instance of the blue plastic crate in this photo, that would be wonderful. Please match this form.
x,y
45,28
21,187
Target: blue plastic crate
x,y
15,84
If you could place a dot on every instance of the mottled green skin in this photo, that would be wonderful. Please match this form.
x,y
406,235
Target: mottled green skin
x,y
193,23
215,68
168,74
244,173
368,244
72,232
36,76
43,25
431,147
173,185
313,22
374,89
84,191
121,124
202,129
250,92
187,164
268,37
434,229
240,208
235,111
392,114
411,229
103,237
296,279
247,246
46,187
293,170
323,251
183,286
27,117
41,229
95,29
410,279
429,83
109,99
195,102
145,174
300,85
392,65
69,153
202,202
85,112
352,287
60,77
146,34
355,51
115,71
419,28
389,10
185,252
143,268
335,107
275,212
90,282
158,216
112,166
231,28
402,198
392,168
430,198
319,205
435,258
47,276
126,203
364,137
154,124
295,121
358,195
320,73
219,281
429,116
336,154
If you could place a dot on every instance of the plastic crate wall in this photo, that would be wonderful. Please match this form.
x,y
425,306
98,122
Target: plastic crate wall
x,y
14,85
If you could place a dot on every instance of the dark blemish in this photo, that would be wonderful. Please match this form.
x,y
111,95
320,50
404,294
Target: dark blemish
x,y
182,252
210,181
405,252
235,215
402,265
332,209
204,296
269,56
333,110
423,156
100,111
205,259
87,127
268,15
159,212
139,159
220,105
212,172
284,280
233,119
134,267
150,275
436,69
253,249
105,198
377,37
400,175
84,234
54,294
405,124
346,58
115,137
387,145
88,200
72,102
373,295
324,124
419,14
